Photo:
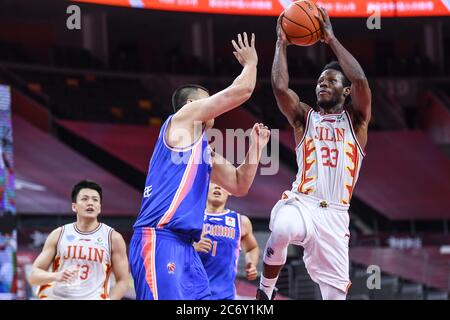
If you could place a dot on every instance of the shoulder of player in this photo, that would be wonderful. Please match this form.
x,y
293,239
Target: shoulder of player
x,y
116,238
246,225
54,236
301,115
356,118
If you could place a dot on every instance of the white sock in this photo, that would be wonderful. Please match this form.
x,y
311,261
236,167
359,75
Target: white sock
x,y
267,285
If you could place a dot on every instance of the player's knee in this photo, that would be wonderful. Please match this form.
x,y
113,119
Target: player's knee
x,y
280,236
284,230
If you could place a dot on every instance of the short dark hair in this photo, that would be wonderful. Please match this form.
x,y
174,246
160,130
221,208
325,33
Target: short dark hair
x,y
334,65
183,93
85,184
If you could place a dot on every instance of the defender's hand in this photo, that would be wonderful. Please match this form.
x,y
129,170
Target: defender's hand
x,y
260,135
245,53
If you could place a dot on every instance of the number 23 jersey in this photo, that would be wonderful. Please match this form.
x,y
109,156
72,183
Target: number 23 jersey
x,y
328,157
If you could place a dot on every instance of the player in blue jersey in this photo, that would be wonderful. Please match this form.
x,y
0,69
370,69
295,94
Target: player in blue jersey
x,y
224,233
163,262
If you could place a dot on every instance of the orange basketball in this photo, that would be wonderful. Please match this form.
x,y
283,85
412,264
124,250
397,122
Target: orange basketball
x,y
299,23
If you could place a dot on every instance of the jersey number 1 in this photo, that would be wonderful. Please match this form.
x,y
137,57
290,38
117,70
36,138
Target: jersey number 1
x,y
214,249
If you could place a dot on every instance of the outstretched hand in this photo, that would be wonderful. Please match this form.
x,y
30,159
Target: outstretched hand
x,y
325,24
260,135
244,52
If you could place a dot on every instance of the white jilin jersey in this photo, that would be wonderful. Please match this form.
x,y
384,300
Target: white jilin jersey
x,y
91,251
329,158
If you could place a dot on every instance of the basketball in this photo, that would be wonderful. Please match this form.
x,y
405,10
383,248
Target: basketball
x,y
299,23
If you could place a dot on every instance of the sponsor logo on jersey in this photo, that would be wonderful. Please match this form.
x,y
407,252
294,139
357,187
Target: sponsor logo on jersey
x,y
230,221
70,237
148,191
215,219
171,267
81,239
100,242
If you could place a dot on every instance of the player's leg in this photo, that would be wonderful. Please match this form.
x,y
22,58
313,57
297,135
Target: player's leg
x,y
288,225
143,288
326,258
199,279
331,293
159,264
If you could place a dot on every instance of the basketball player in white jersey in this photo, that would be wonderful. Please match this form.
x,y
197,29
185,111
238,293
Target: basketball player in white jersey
x,y
330,141
82,254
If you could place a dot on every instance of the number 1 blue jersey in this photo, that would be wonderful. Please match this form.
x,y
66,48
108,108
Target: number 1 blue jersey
x,y
176,188
224,230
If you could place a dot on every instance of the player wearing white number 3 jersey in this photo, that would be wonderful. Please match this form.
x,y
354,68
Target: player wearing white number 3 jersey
x,y
82,255
330,141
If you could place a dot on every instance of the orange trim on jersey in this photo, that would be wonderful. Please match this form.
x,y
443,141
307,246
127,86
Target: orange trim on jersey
x,y
56,264
307,150
41,289
148,255
354,134
105,294
353,172
185,185
348,287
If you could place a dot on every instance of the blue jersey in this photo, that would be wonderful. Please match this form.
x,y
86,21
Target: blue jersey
x,y
224,230
176,188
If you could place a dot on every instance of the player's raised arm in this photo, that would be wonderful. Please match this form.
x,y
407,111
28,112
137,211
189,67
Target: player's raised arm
x,y
233,96
360,90
237,181
288,101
